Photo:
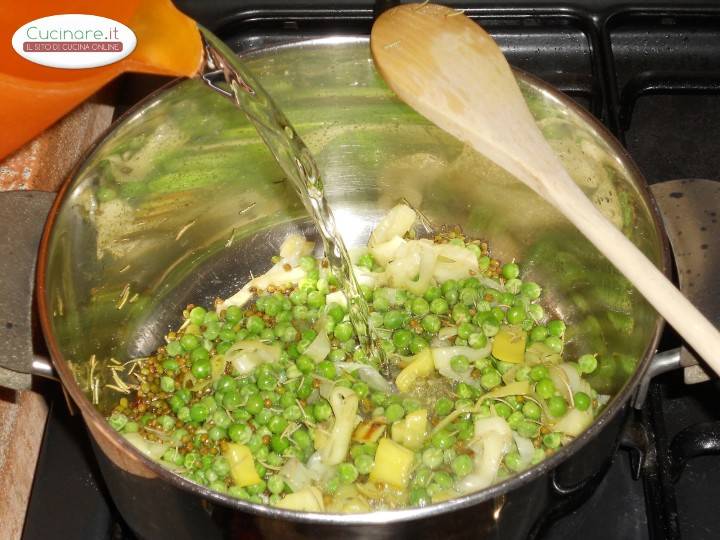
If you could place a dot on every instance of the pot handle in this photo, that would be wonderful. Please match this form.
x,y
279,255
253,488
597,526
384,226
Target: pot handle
x,y
23,215
689,211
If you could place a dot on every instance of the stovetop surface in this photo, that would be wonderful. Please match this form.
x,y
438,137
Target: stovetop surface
x,y
651,73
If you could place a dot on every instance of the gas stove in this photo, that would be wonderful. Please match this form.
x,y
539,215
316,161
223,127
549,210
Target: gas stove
x,y
651,73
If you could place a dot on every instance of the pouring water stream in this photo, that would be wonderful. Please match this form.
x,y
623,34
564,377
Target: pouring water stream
x,y
297,163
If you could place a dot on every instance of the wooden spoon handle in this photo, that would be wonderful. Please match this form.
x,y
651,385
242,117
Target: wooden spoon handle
x,y
669,302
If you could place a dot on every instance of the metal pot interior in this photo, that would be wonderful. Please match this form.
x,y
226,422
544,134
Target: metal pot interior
x,y
181,201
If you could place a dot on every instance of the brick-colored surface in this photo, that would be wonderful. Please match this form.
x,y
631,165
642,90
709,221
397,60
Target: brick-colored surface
x,y
42,164
46,161
22,422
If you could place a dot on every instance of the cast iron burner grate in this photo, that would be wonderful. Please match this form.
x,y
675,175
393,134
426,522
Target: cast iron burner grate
x,y
651,72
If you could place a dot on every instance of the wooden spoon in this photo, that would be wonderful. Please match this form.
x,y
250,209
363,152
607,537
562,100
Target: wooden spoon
x,y
451,71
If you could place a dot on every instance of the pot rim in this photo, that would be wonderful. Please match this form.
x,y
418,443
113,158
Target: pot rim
x,y
91,414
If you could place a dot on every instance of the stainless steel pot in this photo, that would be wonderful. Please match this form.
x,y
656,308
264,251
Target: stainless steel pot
x,y
180,201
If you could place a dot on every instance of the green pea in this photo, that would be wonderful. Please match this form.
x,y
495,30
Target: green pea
x,y
170,365
498,314
431,324
364,463
267,382
545,388
420,307
419,496
381,303
490,379
443,439
118,421
410,405
225,383
184,394
476,340
443,479
402,338
514,419
197,315
557,406
465,329
201,369
460,314
432,293
175,402
216,433
510,270
322,410
336,355
288,333
587,363
432,457
263,417
556,328
490,327
523,374
255,404
464,390
539,333
538,373
335,312
516,314
347,473
326,369
174,348
582,401
189,342
254,324
343,331
210,403
459,363
443,406
418,344
554,343
513,461
393,319
361,389
532,410
531,290
503,410
439,306
394,412
305,364
552,440
233,314
199,412
277,424
422,477
167,384
451,297
513,286
183,414
316,299
302,438
536,313
305,388
462,465
239,432
528,429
